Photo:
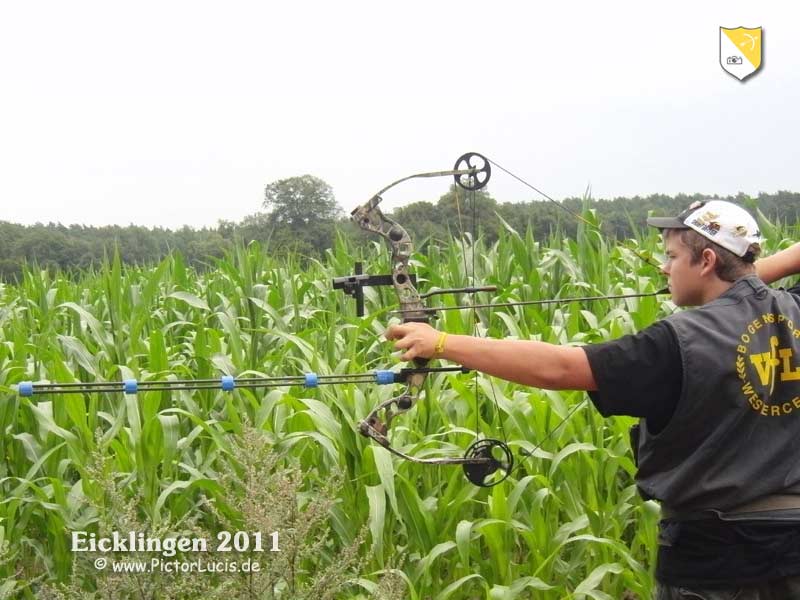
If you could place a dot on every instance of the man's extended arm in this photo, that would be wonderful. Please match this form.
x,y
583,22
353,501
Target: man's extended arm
x,y
528,362
779,265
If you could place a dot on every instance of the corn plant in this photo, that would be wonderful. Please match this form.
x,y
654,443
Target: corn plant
x,y
568,523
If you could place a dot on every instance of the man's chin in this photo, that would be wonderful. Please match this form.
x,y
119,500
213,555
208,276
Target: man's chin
x,y
678,300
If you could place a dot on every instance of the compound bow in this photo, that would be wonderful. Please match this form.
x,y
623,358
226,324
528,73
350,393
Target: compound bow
x,y
487,461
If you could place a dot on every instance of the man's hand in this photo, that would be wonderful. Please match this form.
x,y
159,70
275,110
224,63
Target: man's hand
x,y
417,339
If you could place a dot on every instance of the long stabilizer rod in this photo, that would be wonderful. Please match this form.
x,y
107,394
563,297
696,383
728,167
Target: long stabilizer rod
x,y
227,383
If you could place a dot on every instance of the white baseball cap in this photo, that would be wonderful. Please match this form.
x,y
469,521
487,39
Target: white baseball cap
x,y
724,223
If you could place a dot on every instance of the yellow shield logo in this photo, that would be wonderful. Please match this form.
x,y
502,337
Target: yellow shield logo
x,y
740,50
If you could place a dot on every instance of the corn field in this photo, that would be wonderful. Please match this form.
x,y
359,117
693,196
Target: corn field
x,y
353,521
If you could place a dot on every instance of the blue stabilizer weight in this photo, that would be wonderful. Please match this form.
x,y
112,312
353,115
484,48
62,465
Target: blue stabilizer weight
x,y
130,386
311,380
384,377
25,388
227,383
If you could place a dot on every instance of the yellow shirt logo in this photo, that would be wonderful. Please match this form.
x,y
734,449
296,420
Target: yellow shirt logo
x,y
768,365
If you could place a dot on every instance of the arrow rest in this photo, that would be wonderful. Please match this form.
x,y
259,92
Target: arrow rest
x,y
492,469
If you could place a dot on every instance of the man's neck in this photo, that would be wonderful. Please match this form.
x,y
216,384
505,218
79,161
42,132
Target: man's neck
x,y
718,287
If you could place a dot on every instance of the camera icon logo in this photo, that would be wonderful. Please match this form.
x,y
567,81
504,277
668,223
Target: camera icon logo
x,y
740,50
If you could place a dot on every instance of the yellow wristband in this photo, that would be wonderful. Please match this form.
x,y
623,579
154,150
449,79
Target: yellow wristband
x,y
439,347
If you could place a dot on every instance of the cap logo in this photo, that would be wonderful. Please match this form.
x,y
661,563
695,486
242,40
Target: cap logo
x,y
707,222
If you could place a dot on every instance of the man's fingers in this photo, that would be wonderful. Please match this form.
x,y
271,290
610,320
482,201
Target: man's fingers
x,y
408,339
403,345
406,350
404,355
393,332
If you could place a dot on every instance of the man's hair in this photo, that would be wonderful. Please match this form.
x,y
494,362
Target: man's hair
x,y
729,267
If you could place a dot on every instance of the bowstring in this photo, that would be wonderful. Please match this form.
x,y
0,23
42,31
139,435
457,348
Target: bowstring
x,y
473,241
580,218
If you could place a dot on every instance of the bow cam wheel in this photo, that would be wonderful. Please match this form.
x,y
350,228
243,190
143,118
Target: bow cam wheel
x,y
479,171
493,463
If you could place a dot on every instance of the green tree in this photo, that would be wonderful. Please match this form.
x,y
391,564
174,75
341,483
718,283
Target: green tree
x,y
299,201
302,212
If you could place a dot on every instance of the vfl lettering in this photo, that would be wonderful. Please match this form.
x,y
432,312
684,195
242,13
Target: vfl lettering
x,y
787,372
777,365
766,362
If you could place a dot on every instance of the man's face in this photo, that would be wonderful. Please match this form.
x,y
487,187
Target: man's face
x,y
683,277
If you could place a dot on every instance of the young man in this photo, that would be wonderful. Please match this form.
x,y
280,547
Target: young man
x,y
717,389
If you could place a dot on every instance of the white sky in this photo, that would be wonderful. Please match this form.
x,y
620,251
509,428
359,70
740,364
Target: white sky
x,y
170,113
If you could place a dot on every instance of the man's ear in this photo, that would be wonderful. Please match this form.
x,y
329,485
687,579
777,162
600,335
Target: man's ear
x,y
708,259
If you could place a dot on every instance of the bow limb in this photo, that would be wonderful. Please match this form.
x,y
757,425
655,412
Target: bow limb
x,y
471,172
483,459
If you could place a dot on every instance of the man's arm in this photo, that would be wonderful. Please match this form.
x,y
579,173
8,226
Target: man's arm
x,y
779,265
537,364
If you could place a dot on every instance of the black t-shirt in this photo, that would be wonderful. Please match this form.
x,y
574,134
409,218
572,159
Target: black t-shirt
x,y
640,376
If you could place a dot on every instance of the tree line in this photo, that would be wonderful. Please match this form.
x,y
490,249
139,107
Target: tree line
x,y
300,216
